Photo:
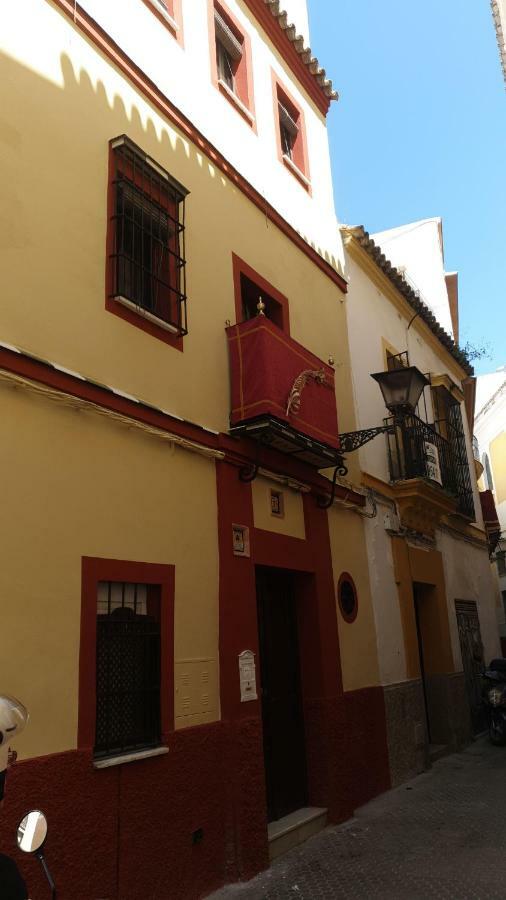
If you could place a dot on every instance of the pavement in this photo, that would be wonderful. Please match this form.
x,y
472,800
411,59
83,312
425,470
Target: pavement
x,y
441,835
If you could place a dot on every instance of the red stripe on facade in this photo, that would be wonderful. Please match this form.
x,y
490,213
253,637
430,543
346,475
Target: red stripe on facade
x,y
238,452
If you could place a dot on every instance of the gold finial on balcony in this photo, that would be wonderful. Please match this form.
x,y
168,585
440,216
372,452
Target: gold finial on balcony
x,y
331,360
260,306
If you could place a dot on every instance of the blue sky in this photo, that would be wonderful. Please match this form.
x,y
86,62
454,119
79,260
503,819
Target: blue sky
x,y
419,131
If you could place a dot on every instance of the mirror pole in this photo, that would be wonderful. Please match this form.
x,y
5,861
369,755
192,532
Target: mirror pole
x,y
40,855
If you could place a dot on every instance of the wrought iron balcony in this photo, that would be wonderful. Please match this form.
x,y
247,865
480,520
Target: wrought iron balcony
x,y
417,450
282,394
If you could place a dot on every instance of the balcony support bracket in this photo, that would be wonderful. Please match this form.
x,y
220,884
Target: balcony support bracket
x,y
249,472
327,501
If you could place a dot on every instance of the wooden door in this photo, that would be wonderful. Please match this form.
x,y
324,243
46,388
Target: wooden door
x,y
283,725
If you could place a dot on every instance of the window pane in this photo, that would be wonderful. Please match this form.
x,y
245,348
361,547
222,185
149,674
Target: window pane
x,y
225,67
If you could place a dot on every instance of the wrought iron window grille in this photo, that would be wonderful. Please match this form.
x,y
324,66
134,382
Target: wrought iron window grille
x,y
148,249
128,668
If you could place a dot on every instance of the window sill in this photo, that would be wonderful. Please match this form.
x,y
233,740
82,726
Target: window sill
x,y
297,172
147,315
234,99
129,757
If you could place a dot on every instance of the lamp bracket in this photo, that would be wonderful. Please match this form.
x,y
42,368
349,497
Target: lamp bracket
x,y
352,440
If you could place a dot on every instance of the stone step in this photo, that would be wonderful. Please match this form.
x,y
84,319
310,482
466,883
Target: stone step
x,y
294,829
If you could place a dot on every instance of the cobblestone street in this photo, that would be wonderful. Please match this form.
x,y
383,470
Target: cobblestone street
x,y
442,835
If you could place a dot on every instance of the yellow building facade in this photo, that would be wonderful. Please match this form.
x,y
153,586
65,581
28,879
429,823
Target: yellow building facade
x,y
144,540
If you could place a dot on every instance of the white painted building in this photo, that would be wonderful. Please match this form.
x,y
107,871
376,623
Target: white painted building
x,y
416,530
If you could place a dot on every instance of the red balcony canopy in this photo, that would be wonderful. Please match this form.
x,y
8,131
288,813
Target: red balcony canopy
x,y
274,376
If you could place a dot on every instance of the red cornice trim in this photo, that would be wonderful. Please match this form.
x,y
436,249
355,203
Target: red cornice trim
x,y
140,80
44,373
237,452
282,43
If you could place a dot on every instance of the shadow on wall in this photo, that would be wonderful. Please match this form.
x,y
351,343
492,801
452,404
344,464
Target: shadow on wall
x,y
57,106
73,124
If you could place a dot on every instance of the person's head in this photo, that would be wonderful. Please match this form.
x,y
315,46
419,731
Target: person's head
x,y
13,718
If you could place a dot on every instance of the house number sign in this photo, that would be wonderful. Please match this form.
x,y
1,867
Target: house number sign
x,y
247,676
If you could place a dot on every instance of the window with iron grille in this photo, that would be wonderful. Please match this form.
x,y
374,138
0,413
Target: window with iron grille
x,y
128,670
147,249
449,424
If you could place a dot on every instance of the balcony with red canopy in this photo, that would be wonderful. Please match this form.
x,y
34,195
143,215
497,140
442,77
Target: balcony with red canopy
x,y
282,394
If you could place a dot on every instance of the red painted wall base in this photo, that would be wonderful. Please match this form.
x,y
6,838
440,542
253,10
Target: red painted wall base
x,y
125,833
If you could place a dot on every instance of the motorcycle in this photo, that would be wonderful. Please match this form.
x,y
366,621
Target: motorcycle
x,y
494,699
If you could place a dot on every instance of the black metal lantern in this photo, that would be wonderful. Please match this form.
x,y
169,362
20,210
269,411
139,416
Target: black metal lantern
x,y
401,388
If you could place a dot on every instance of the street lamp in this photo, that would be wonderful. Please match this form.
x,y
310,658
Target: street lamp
x,y
401,388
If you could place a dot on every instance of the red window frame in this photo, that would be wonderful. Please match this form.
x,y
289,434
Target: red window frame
x,y
94,570
111,304
298,165
242,99
279,301
173,19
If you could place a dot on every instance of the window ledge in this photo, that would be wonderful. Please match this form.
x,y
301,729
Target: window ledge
x,y
129,757
230,95
289,163
146,315
165,16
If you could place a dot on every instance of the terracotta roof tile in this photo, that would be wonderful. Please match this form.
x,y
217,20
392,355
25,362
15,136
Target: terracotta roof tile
x,y
305,53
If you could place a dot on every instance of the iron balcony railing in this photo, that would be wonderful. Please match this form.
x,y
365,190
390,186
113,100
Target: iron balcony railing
x,y
417,450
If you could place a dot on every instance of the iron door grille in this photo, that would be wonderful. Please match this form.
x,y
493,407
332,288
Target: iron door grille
x,y
472,659
128,668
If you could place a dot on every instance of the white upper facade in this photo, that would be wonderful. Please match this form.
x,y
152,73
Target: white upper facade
x,y
182,70
417,249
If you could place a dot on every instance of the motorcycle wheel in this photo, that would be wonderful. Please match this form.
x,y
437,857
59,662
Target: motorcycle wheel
x,y
496,735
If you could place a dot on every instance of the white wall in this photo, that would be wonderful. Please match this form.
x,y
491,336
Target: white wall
x,y
468,576
184,76
419,248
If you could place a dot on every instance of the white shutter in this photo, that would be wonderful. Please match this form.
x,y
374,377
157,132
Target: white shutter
x,y
226,37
